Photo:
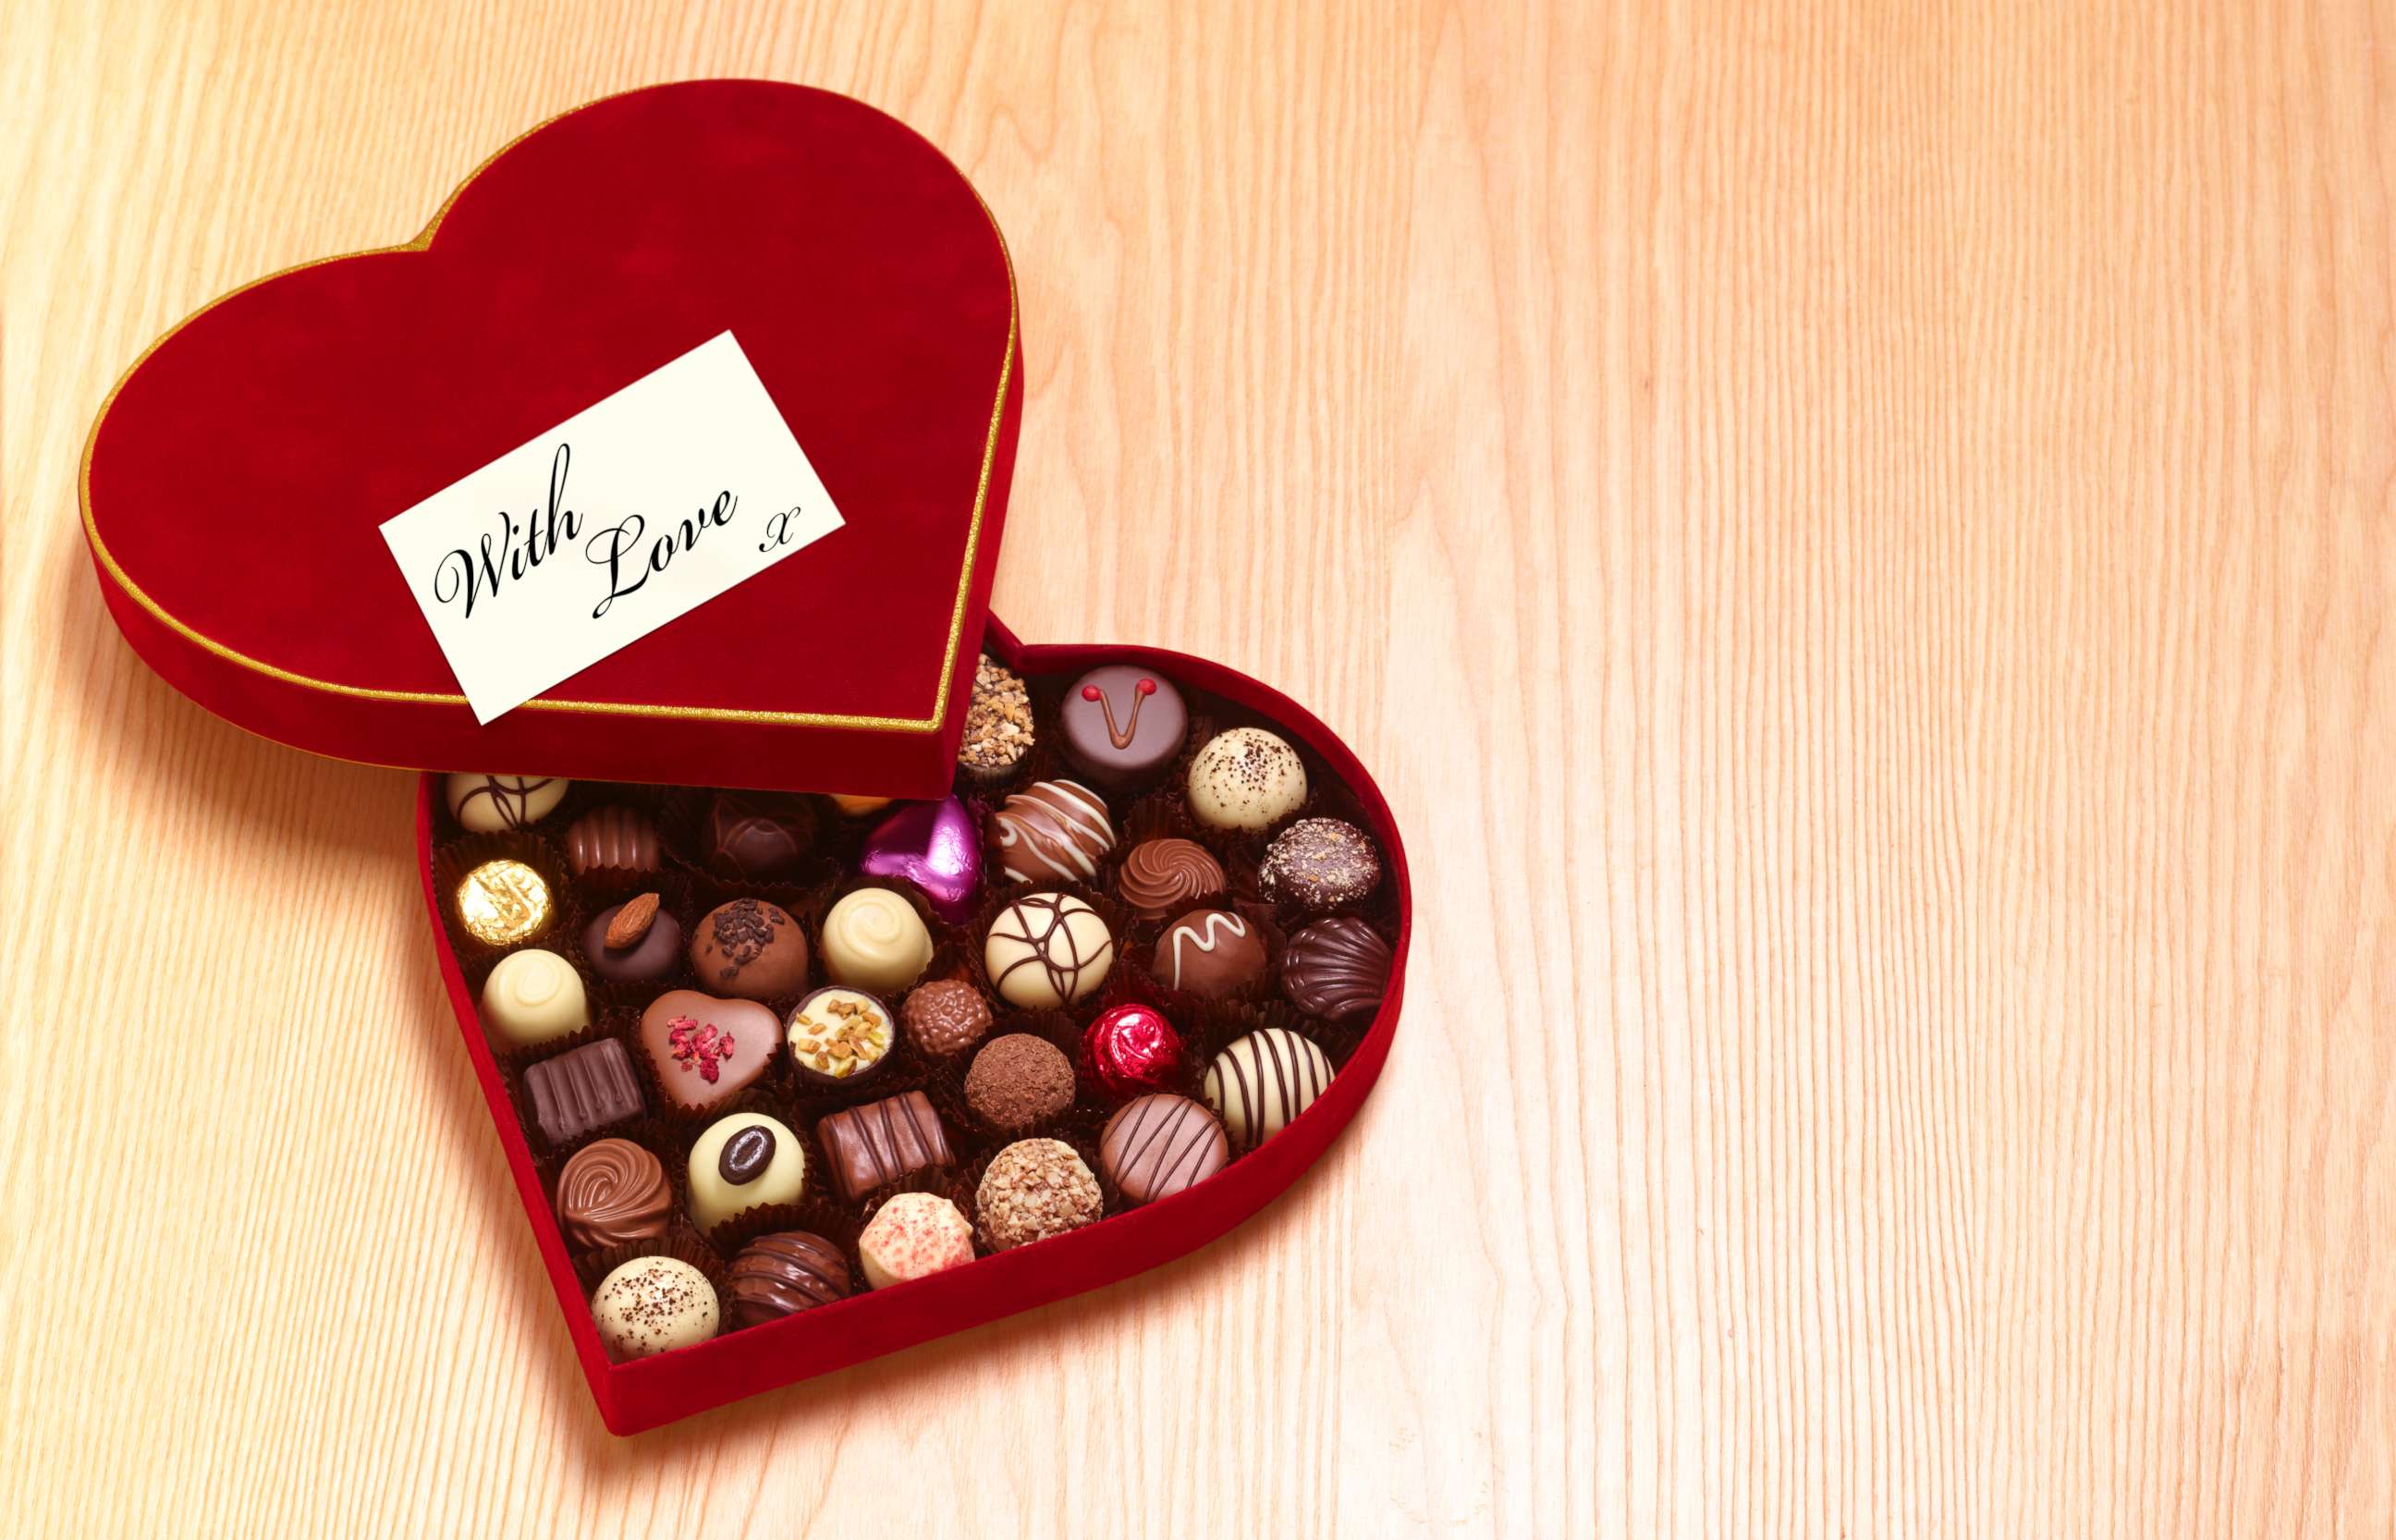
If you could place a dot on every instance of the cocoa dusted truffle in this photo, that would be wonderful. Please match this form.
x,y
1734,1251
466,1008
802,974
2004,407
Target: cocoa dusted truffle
x,y
654,1303
1159,876
758,836
1123,724
779,1275
998,725
946,1016
1052,828
1337,969
1017,1081
1320,864
1035,1188
751,948
1159,1145
1210,953
1247,779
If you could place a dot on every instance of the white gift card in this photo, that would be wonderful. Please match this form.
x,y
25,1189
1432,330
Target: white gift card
x,y
599,531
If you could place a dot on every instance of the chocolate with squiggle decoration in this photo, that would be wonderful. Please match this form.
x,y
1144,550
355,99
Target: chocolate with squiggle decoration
x,y
1210,953
1047,950
1123,724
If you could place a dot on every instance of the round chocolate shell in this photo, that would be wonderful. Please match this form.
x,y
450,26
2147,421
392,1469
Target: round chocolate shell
x,y
1320,864
1210,953
1052,828
1157,1146
1337,969
751,948
613,1193
1159,876
1017,1081
946,1018
758,836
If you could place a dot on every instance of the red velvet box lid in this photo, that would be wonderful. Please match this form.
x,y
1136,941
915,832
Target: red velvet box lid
x,y
235,479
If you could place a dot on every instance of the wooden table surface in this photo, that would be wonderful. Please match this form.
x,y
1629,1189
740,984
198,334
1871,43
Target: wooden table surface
x,y
1857,538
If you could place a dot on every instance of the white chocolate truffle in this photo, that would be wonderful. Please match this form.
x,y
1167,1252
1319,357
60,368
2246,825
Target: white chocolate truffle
x,y
1047,949
743,1162
913,1235
534,997
874,940
1260,1082
1246,779
652,1304
483,804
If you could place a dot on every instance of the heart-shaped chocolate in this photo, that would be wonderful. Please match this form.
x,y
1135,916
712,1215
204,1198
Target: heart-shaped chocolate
x,y
705,1051
934,847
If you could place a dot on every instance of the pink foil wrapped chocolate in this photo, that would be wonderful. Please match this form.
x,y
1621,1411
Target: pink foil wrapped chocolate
x,y
935,848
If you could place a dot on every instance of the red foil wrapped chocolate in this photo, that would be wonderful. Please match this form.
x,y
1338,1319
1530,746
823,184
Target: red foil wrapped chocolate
x,y
1133,1050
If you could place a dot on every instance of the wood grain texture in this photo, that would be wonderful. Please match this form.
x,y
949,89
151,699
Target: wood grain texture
x,y
1857,537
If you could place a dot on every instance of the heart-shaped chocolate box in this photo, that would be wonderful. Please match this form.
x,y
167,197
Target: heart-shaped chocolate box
x,y
235,479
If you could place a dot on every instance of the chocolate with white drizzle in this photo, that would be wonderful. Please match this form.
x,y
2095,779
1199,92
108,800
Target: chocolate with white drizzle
x,y
1052,828
1210,953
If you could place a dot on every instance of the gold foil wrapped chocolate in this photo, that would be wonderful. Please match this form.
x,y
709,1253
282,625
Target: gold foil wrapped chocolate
x,y
502,902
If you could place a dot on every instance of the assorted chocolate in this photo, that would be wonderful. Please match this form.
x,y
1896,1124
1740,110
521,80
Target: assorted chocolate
x,y
788,1048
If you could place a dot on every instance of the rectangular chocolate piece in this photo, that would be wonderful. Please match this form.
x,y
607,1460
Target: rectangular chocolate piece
x,y
576,1092
882,1141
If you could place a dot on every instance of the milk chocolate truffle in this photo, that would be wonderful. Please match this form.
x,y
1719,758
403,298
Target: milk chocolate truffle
x,y
1319,864
740,1162
1260,1082
1123,725
1047,949
758,836
534,997
503,902
612,1193
998,725
704,1050
873,939
611,839
1035,1188
946,1018
651,1305
582,1090
779,1275
882,1141
1052,828
913,1235
1159,876
839,1037
1245,779
633,942
1018,1080
1159,1145
1210,953
751,948
483,805
1337,969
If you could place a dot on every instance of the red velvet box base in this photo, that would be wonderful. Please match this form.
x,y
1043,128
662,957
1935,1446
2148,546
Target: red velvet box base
x,y
648,1392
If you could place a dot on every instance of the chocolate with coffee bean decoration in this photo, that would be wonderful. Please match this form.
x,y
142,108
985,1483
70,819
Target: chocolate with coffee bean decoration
x,y
1337,969
612,1193
751,948
758,836
744,1162
779,1275
1319,864
1132,1049
1157,1146
1123,724
1159,876
611,839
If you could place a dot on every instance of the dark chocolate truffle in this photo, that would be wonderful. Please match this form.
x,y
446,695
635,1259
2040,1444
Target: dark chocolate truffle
x,y
633,942
998,725
758,836
1159,876
946,1018
1337,969
882,1141
779,1275
1161,1144
582,1089
1052,828
704,1050
613,1193
611,839
1123,724
751,948
1035,1188
1210,953
839,1037
1319,864
1018,1080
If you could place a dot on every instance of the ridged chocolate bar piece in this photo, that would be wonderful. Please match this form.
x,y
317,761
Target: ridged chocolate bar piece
x,y
586,1089
885,1140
